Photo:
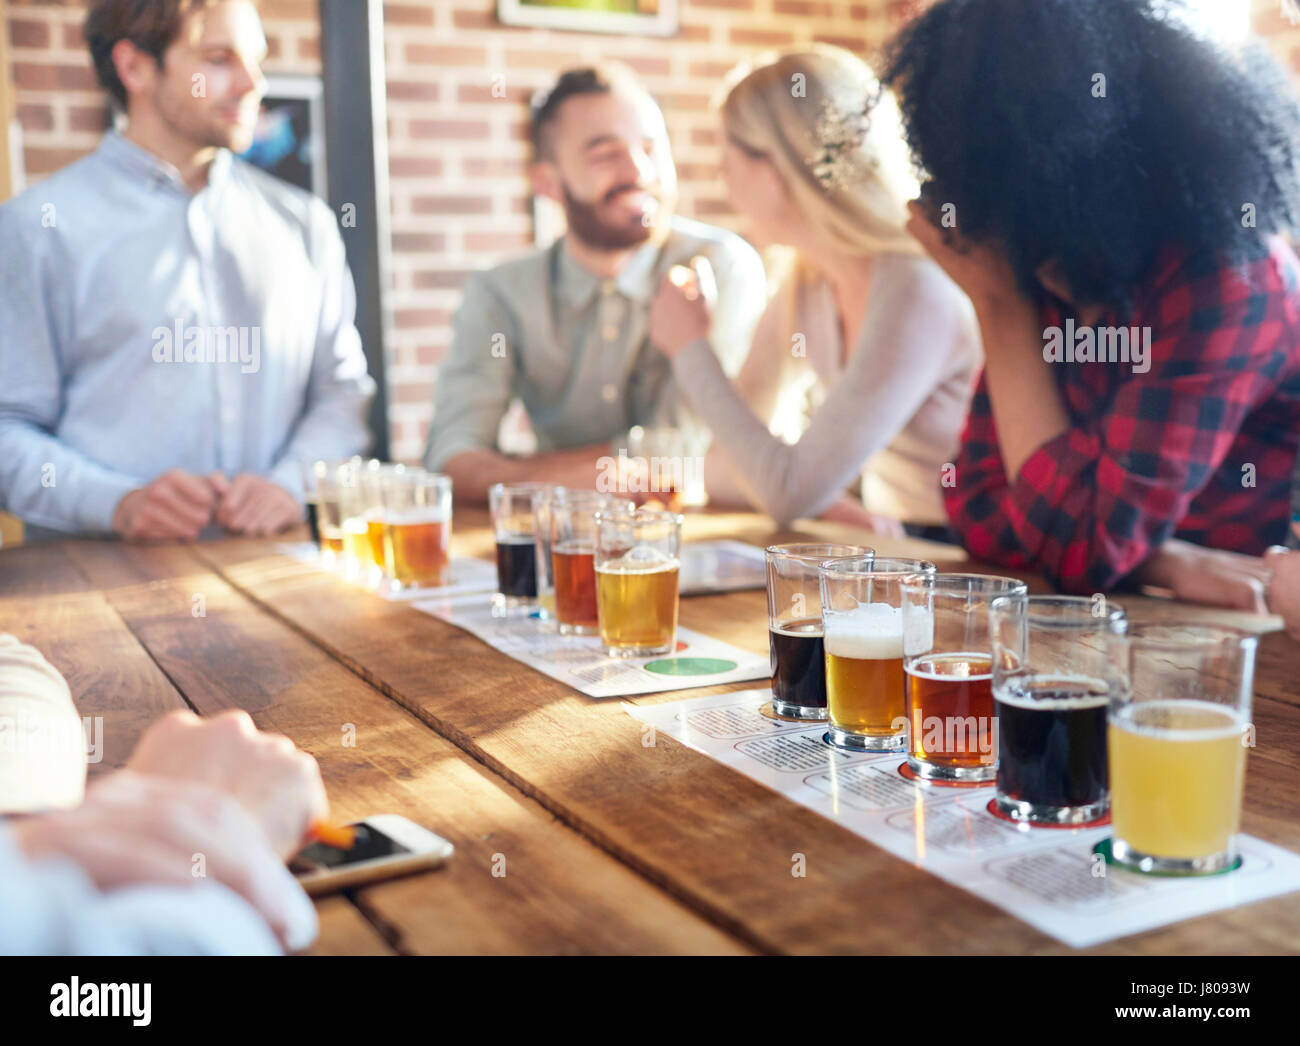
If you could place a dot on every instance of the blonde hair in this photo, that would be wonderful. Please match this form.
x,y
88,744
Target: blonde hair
x,y
781,106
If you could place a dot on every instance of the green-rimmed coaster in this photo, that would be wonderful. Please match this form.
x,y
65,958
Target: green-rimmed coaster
x,y
690,666
1103,848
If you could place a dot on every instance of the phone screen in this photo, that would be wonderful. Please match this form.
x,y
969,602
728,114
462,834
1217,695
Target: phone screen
x,y
370,845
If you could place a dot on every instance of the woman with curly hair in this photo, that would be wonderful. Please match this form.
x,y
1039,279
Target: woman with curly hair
x,y
1107,186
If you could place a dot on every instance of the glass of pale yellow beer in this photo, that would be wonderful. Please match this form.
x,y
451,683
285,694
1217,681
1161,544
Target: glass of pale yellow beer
x,y
329,523
862,635
948,665
416,528
357,557
1177,737
637,561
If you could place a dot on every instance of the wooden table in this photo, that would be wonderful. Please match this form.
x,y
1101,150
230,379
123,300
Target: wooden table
x,y
571,837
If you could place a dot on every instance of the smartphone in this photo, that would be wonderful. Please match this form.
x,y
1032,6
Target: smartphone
x,y
387,845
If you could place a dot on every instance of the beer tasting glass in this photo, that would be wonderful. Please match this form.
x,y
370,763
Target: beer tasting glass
x,y
948,664
416,528
637,560
1055,668
311,473
374,474
1178,734
862,625
794,625
571,523
328,520
514,523
357,557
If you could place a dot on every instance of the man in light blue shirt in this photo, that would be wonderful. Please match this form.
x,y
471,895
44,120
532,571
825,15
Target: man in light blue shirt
x,y
176,326
565,329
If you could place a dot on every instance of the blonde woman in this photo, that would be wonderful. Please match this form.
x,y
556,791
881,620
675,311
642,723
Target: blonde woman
x,y
870,346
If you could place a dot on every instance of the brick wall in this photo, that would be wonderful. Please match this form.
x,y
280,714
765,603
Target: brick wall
x,y
459,194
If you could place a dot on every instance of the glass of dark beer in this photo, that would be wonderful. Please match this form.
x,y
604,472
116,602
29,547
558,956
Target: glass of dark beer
x,y
948,665
514,524
794,623
1056,666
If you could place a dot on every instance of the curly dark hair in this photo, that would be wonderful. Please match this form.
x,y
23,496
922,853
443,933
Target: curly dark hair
x,y
1001,106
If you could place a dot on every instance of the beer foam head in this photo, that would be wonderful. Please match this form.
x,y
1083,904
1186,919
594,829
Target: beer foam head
x,y
870,632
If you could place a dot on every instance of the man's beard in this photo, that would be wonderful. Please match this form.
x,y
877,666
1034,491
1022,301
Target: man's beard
x,y
585,222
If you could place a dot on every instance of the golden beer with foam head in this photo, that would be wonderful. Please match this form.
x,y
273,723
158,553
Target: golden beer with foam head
x,y
637,566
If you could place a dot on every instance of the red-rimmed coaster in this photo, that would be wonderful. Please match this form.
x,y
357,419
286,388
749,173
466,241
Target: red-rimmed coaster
x,y
1002,815
915,778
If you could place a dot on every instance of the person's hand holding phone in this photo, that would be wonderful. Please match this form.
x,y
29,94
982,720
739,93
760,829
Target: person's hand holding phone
x,y
135,829
278,784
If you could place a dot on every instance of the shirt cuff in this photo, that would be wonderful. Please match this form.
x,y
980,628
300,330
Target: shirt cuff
x,y
98,503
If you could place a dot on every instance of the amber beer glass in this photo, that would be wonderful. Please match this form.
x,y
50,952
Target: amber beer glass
x,y
948,665
329,521
637,560
514,523
862,624
794,625
570,517
1055,668
417,529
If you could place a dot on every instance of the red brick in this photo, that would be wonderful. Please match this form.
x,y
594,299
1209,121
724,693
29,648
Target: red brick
x,y
47,161
646,65
24,32
415,166
88,118
409,318
418,242
494,166
472,93
440,279
856,44
444,54
36,117
497,242
408,14
460,129
709,70
309,47
72,38
451,204
476,20
760,37
413,91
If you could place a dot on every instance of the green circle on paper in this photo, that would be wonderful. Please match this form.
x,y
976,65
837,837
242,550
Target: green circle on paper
x,y
690,666
1103,848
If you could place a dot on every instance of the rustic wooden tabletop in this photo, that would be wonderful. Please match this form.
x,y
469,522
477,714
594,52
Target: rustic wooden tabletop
x,y
571,837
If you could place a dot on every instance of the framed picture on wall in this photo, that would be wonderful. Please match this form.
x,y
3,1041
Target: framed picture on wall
x,y
632,17
290,137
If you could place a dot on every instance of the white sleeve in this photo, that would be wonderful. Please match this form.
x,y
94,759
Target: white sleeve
x,y
42,743
50,907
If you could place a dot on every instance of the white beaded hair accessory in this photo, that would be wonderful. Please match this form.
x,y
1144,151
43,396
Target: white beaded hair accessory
x,y
838,159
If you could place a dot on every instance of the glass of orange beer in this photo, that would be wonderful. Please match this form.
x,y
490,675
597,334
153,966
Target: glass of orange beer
x,y
948,666
570,516
862,635
1177,736
637,561
416,528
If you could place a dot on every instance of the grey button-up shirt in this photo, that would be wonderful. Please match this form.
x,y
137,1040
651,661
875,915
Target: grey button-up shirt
x,y
574,349
143,329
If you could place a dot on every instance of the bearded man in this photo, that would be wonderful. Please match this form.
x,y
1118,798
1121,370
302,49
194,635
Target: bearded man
x,y
563,329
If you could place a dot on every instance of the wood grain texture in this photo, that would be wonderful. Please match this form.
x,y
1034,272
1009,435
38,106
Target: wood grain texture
x,y
716,839
552,891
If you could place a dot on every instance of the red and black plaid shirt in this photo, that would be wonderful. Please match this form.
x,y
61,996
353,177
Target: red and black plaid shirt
x,y
1202,446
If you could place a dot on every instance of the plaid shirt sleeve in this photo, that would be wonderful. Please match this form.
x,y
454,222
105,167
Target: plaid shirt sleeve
x,y
1089,506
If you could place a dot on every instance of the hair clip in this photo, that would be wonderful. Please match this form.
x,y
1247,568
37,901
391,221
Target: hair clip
x,y
838,160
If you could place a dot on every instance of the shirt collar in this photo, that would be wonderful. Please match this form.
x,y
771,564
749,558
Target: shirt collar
x,y
636,282
129,157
